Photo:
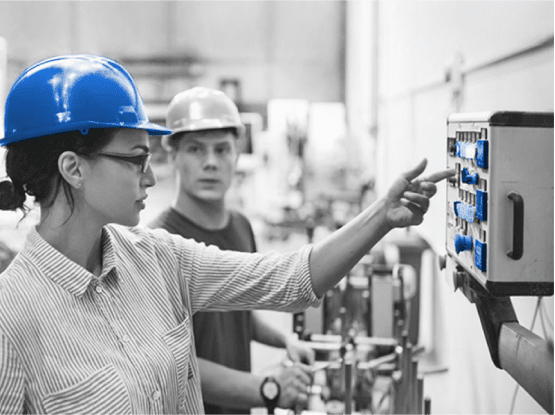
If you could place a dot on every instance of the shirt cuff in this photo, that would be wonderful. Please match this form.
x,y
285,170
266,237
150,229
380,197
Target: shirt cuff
x,y
306,277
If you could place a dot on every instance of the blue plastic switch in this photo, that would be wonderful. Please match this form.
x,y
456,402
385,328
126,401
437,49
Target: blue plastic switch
x,y
482,153
481,205
481,255
464,211
469,178
463,243
465,150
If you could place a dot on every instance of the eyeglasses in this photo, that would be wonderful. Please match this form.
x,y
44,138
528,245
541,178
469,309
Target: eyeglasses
x,y
142,161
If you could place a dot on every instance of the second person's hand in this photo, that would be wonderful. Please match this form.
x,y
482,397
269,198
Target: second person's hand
x,y
299,351
293,380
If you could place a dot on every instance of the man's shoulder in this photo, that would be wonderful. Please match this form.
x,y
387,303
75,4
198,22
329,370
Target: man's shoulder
x,y
239,218
161,220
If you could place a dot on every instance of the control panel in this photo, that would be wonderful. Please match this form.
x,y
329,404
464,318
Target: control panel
x,y
500,204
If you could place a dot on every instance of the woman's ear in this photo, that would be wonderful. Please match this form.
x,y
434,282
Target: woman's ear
x,y
71,168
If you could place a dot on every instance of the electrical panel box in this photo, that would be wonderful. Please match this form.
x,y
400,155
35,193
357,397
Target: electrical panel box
x,y
500,204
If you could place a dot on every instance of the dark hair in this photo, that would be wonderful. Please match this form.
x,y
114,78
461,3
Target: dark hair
x,y
32,166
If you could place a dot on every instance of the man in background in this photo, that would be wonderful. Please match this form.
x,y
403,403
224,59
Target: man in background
x,y
203,150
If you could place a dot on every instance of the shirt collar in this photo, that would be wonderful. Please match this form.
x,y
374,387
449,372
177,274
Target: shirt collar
x,y
69,275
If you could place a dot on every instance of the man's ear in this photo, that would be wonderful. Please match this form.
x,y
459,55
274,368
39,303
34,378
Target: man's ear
x,y
238,149
172,153
71,168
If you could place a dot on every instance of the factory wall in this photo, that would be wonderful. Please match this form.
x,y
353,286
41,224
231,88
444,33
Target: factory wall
x,y
435,58
275,49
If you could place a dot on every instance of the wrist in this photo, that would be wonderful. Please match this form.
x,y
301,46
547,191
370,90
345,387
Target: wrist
x,y
256,396
382,207
270,391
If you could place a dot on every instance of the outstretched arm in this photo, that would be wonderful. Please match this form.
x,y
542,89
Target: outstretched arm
x,y
405,204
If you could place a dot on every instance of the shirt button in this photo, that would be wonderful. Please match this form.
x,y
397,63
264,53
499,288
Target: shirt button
x,y
156,395
99,289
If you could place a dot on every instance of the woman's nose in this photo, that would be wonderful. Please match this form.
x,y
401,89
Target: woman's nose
x,y
149,178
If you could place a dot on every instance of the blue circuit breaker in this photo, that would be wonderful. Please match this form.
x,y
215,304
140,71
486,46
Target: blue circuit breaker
x,y
500,207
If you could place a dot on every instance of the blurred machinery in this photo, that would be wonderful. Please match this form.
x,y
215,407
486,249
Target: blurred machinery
x,y
364,338
500,232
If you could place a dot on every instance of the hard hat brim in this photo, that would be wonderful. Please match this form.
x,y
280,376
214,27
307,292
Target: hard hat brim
x,y
167,137
150,128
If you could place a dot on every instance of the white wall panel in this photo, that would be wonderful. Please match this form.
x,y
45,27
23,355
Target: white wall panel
x,y
302,80
36,30
421,38
122,28
223,30
307,31
418,41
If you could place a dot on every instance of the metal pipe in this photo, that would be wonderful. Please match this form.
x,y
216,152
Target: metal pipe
x,y
344,324
427,406
395,405
419,395
375,363
331,347
348,387
358,340
529,360
407,376
413,386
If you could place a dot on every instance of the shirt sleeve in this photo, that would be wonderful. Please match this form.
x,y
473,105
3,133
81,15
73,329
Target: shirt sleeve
x,y
11,379
221,280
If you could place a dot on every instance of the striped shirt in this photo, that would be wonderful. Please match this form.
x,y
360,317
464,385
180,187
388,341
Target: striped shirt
x,y
72,342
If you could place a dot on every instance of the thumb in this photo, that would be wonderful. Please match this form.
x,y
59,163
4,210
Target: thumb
x,y
416,171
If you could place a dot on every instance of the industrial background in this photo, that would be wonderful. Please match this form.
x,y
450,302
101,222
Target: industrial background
x,y
340,97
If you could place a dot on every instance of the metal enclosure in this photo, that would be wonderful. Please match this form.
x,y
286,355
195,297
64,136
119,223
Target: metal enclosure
x,y
500,205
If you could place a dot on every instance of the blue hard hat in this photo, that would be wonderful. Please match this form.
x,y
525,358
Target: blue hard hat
x,y
74,93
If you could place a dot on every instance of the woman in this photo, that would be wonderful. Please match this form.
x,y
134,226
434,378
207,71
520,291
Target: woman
x,y
95,312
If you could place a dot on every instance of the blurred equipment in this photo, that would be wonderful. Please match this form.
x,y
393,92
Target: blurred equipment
x,y
500,232
365,359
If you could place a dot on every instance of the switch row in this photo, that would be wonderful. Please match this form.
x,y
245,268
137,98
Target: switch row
x,y
466,243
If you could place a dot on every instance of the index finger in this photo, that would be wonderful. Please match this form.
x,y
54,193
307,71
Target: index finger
x,y
440,175
413,173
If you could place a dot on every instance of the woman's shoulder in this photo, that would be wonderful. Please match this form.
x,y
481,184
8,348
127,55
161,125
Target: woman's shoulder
x,y
143,238
10,277
20,287
135,234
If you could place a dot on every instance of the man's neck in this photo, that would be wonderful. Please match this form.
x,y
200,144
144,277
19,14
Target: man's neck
x,y
211,214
